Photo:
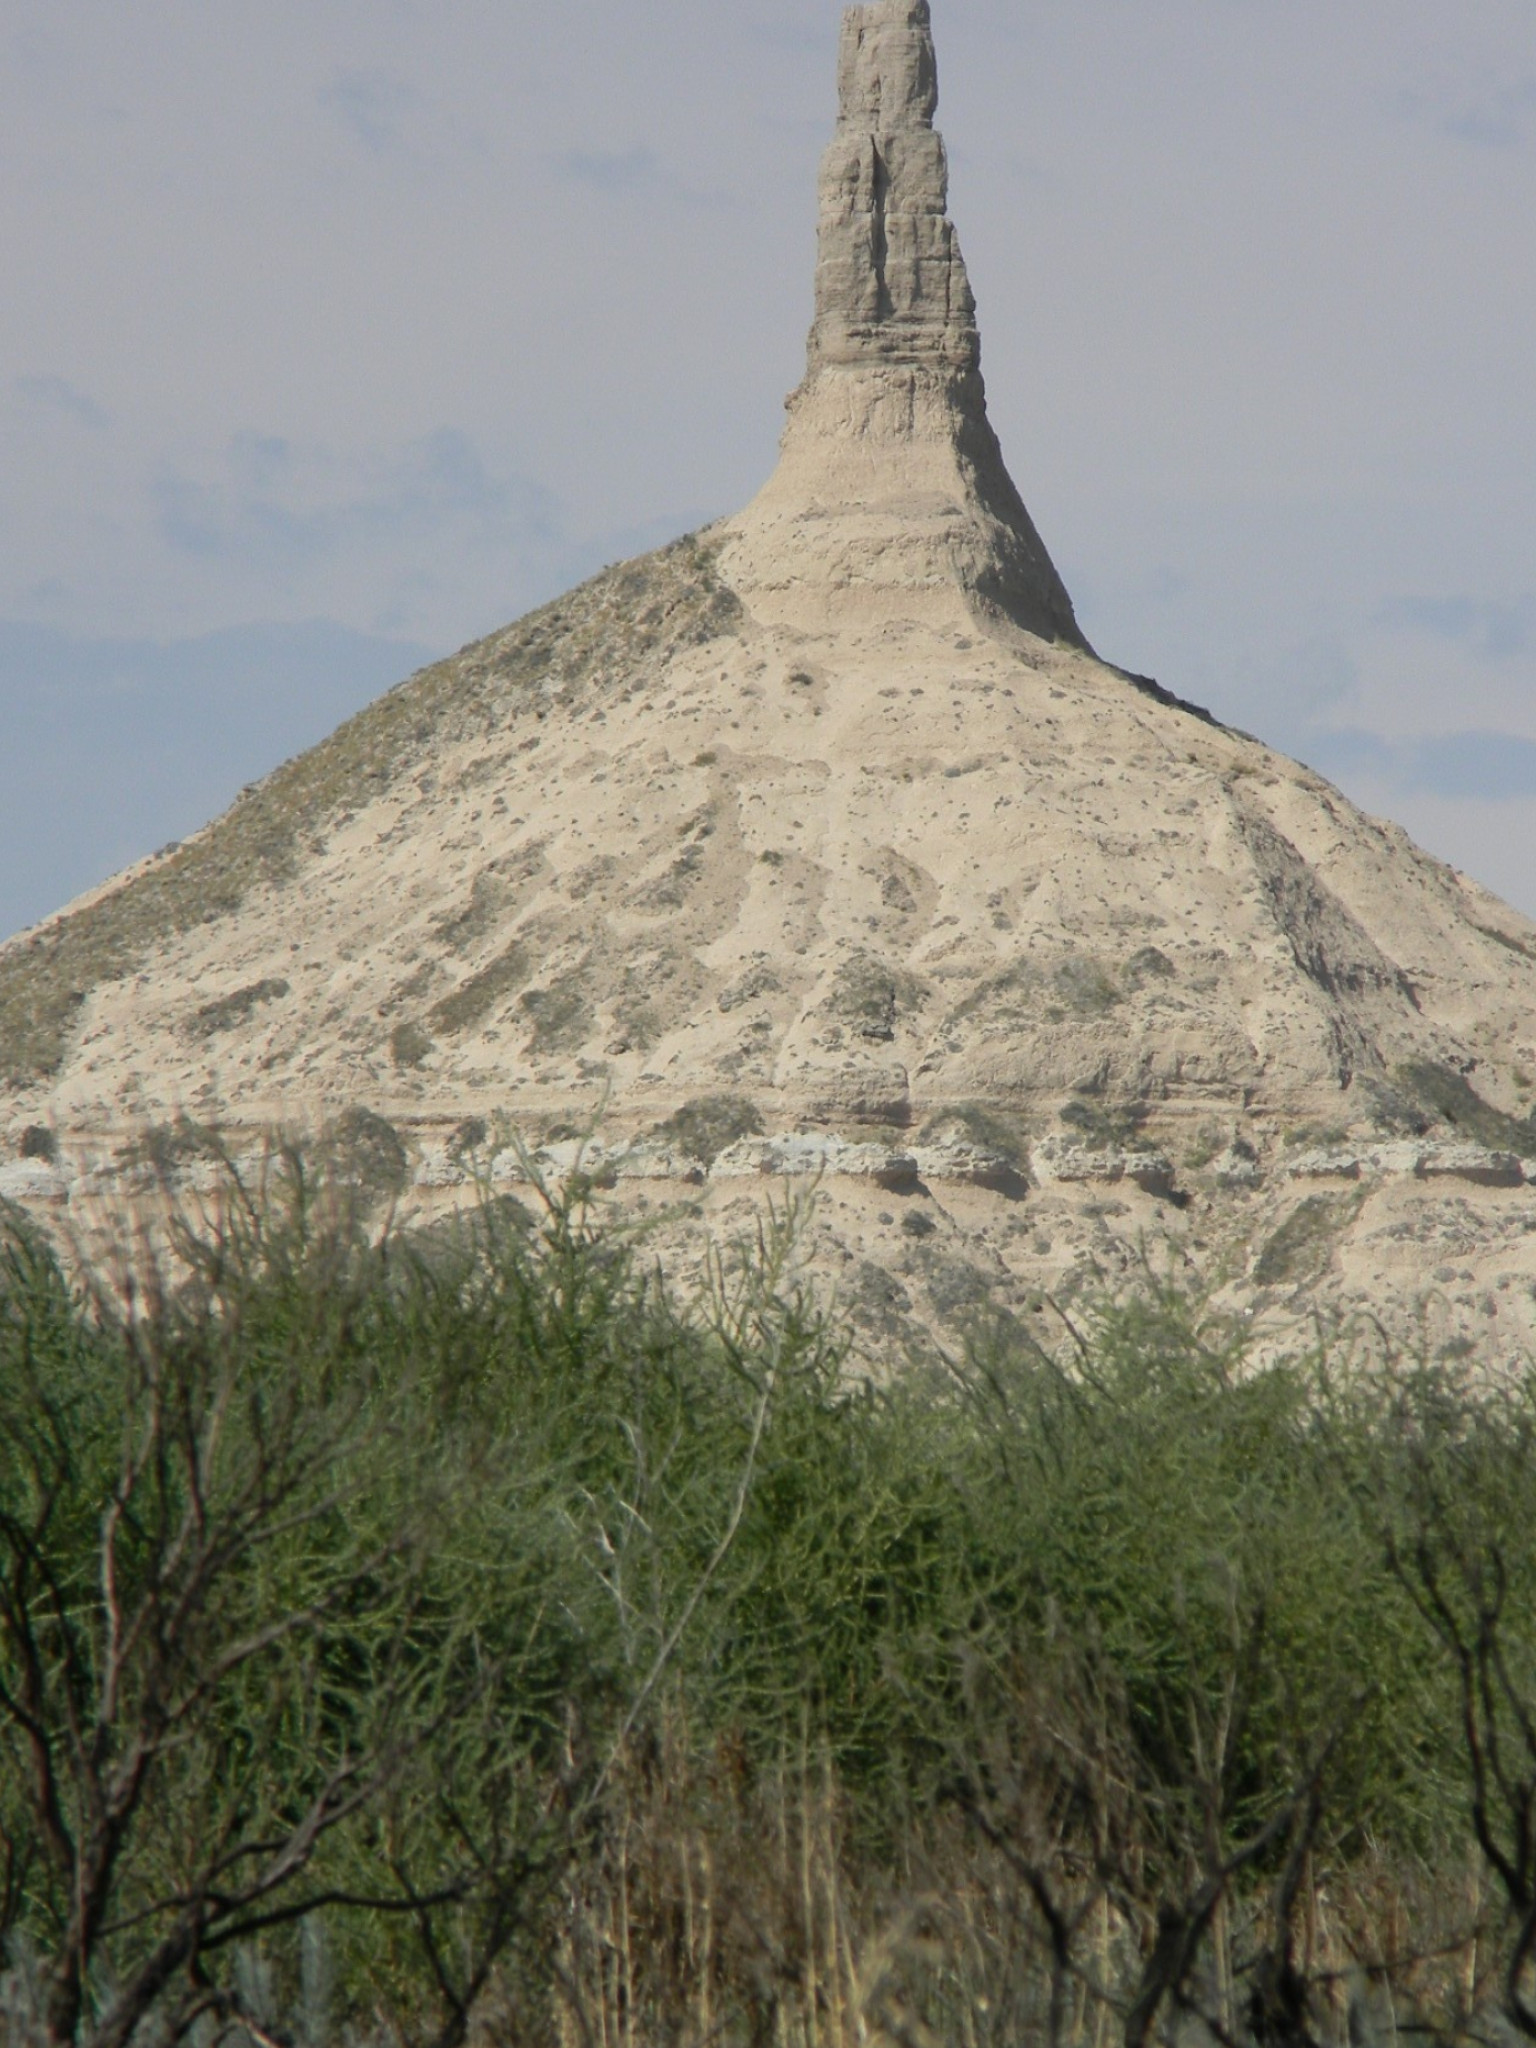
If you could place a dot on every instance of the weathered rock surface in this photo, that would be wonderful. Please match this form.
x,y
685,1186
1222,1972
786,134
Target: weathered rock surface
x,y
891,285
891,483
820,849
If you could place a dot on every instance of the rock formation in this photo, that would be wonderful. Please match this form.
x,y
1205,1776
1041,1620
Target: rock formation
x,y
820,845
891,285
890,477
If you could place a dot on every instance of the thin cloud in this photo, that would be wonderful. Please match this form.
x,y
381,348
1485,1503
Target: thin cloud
x,y
1502,121
1498,115
632,173
1348,751
1479,767
373,106
1492,629
298,506
57,395
261,462
806,37
628,170
1488,766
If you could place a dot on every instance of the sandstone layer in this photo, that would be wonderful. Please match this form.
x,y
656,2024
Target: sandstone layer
x,y
891,484
820,848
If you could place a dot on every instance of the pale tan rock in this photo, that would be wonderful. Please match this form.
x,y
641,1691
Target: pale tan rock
x,y
891,285
891,486
820,851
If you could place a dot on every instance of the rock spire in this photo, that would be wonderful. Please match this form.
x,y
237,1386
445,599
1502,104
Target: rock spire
x,y
891,285
816,847
891,486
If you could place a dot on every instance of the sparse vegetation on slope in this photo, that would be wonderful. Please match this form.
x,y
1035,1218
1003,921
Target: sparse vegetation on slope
x,y
225,1013
598,638
705,1127
1449,1097
1300,1249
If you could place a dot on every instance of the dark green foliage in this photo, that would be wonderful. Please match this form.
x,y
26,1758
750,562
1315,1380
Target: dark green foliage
x,y
490,1531
1108,1125
494,896
368,1154
1148,965
38,1142
976,1123
1026,994
471,1137
331,1575
168,1147
1301,1248
475,999
1166,1501
225,1013
560,1015
870,996
656,986
1449,1096
1086,986
409,1044
707,1126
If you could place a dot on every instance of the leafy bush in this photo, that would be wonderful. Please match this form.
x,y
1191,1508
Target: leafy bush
x,y
369,1154
469,1630
975,1123
707,1126
1302,1246
328,1584
228,1012
409,1044
1450,1096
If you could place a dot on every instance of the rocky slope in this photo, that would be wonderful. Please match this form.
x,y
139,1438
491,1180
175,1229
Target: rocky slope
x,y
821,844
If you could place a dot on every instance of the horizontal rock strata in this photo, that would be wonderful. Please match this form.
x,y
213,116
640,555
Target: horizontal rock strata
x,y
819,850
891,483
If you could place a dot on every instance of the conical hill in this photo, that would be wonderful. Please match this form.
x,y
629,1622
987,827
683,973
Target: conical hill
x,y
821,844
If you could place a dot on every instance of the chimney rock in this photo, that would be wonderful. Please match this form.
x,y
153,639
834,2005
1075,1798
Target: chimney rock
x,y
891,285
891,490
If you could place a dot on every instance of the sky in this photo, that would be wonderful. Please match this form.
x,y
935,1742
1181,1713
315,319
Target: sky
x,y
336,333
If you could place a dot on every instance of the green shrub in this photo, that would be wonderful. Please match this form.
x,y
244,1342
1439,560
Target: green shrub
x,y
1449,1096
409,1044
975,1123
368,1154
1109,1125
500,1593
381,1536
1301,1247
475,999
707,1126
227,1013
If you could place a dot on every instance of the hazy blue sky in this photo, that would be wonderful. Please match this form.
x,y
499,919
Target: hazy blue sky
x,y
334,333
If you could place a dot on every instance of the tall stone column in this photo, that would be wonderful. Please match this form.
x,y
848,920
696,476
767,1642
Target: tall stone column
x,y
891,285
891,488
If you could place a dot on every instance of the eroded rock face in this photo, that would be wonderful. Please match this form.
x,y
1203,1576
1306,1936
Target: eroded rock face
x,y
891,284
818,850
891,484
